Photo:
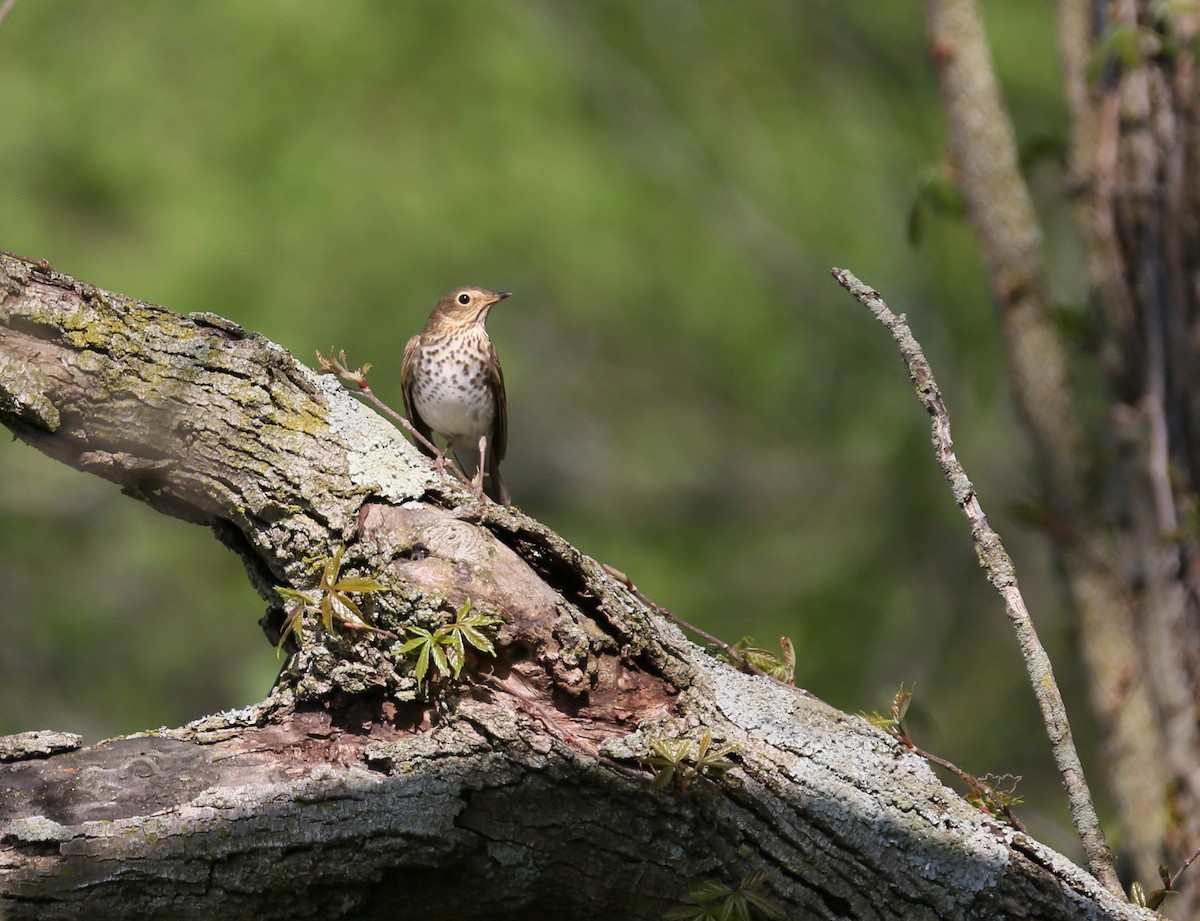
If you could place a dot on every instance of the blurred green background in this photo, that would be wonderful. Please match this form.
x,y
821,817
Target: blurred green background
x,y
664,186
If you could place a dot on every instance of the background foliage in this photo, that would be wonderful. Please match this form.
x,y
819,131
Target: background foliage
x,y
664,185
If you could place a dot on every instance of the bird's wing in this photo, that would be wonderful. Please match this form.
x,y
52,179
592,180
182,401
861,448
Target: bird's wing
x,y
408,372
499,437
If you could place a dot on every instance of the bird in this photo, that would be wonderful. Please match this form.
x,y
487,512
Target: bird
x,y
453,385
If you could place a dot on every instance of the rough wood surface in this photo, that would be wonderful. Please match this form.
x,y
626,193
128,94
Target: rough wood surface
x,y
514,793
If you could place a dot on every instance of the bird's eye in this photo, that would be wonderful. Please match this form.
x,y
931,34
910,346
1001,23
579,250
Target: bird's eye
x,y
464,299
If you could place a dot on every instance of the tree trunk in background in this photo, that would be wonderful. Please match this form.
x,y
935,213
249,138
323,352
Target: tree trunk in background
x,y
1122,509
1136,165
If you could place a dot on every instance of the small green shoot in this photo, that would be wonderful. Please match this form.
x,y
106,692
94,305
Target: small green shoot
x,y
336,364
330,598
779,665
994,795
446,647
714,901
1156,897
682,761
893,724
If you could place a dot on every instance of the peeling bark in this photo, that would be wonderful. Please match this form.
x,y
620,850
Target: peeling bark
x,y
515,792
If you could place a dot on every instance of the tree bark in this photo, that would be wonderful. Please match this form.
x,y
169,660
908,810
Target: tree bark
x,y
517,791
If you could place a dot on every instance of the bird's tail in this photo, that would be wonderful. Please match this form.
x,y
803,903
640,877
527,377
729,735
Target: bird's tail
x,y
492,483
493,486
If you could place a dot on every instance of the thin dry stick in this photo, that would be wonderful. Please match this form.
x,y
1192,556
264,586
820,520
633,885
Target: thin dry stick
x,y
1000,572
976,785
1171,881
745,664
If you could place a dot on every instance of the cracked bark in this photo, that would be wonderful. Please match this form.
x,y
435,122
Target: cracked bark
x,y
516,792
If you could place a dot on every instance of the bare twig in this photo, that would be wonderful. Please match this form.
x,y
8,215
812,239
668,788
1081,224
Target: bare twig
x,y
38,264
1001,573
1178,873
978,786
743,663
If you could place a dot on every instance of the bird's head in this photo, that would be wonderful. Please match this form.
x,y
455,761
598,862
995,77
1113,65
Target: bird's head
x,y
464,307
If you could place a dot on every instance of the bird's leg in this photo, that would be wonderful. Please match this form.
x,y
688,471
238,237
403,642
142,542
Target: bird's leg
x,y
477,480
439,458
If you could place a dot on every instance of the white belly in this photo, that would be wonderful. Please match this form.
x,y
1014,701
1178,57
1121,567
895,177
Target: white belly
x,y
454,414
455,400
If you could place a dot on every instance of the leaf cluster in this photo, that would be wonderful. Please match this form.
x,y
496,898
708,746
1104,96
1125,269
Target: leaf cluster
x,y
1155,897
445,648
996,793
715,901
779,665
331,599
894,722
681,761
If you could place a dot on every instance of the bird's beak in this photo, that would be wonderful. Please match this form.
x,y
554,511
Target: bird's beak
x,y
500,296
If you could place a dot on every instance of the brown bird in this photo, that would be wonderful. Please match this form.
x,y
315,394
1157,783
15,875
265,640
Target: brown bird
x,y
453,384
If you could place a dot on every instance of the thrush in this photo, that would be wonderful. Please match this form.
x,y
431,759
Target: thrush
x,y
453,384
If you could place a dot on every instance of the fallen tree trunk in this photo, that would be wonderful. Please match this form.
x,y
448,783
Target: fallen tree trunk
x,y
519,790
